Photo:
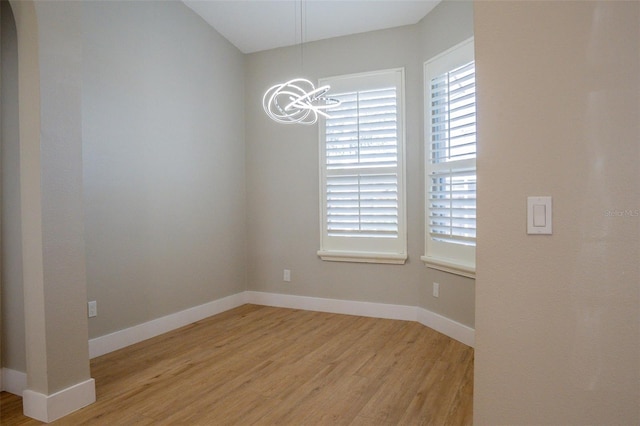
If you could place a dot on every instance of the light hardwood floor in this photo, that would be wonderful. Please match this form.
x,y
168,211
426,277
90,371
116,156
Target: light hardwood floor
x,y
273,366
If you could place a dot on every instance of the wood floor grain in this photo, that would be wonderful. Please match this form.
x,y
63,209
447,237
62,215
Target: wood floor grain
x,y
257,365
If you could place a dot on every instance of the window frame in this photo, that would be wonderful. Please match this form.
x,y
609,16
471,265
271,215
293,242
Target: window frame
x,y
361,248
445,256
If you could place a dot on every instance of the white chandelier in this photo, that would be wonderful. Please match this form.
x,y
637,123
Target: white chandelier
x,y
297,101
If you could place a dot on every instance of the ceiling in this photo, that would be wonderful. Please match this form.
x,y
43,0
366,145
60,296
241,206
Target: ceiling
x,y
255,25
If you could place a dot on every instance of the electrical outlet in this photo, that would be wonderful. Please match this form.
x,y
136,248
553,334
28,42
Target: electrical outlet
x,y
287,275
93,309
436,290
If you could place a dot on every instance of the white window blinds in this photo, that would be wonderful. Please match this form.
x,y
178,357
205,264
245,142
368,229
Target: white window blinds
x,y
451,158
362,182
361,161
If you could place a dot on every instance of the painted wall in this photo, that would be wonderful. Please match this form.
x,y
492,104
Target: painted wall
x,y
558,316
50,185
163,164
283,174
11,294
163,161
63,262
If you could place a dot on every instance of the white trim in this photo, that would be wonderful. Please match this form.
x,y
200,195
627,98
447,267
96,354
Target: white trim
x,y
452,57
122,338
448,327
48,408
439,323
362,257
335,306
452,267
13,381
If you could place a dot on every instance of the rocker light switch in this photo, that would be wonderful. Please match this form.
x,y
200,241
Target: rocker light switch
x,y
539,212
539,215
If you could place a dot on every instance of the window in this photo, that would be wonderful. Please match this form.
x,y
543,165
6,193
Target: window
x,y
362,170
450,147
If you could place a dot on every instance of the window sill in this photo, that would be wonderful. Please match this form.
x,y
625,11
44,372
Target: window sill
x,y
464,270
362,257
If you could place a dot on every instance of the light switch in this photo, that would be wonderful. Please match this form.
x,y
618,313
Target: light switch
x,y
539,215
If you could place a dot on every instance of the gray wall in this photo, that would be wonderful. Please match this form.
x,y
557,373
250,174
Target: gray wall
x,y
282,172
558,316
11,296
63,308
53,272
163,156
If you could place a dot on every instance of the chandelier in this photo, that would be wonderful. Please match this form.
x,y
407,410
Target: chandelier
x,y
298,100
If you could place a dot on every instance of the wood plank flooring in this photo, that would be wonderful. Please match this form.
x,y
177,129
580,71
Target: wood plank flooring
x,y
257,365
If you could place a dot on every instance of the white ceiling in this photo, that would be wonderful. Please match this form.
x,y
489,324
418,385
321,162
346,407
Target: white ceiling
x,y
255,25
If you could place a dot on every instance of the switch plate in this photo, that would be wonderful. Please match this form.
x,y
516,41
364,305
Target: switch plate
x,y
436,289
287,275
539,215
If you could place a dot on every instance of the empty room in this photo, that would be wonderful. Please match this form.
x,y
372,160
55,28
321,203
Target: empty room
x,y
316,212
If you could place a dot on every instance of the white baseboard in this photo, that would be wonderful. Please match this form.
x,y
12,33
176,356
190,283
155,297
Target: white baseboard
x,y
444,325
448,327
335,306
129,336
123,338
13,381
48,408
